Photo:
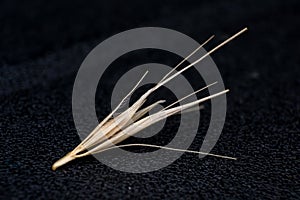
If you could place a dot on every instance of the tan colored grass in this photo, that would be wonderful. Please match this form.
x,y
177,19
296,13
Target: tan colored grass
x,y
113,130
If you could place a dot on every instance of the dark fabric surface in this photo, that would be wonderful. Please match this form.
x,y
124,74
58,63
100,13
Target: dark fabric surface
x,y
42,46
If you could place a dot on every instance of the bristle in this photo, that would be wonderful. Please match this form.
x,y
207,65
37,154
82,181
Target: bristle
x,y
168,148
185,59
189,95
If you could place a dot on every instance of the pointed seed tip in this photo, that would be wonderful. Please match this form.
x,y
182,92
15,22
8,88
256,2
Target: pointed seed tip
x,y
53,167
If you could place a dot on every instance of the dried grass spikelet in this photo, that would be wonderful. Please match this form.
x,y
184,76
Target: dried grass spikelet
x,y
113,130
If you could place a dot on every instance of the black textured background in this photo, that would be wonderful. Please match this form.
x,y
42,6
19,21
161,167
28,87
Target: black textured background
x,y
42,44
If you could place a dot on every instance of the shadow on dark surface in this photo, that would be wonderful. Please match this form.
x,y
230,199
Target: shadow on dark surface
x,y
43,45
